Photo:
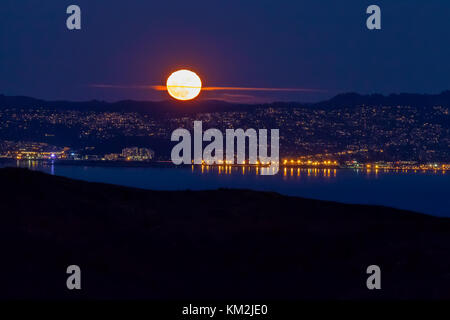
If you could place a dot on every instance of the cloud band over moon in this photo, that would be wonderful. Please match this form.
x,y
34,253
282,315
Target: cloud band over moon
x,y
164,88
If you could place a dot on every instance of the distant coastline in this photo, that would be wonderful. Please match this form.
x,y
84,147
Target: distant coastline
x,y
168,164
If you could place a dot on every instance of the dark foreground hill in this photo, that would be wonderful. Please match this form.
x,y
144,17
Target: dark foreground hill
x,y
220,244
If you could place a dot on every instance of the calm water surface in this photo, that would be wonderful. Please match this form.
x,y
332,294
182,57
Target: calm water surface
x,y
423,192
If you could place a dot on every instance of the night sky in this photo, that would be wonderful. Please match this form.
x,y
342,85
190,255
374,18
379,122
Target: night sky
x,y
322,44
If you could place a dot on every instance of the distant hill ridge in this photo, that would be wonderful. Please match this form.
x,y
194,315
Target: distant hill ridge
x,y
157,107
411,99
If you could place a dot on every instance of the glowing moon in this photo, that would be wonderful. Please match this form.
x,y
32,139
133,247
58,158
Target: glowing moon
x,y
184,85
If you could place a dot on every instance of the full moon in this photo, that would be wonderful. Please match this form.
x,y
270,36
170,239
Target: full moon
x,y
184,85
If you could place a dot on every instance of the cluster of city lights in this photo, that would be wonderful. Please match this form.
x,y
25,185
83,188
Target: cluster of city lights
x,y
333,164
288,162
232,163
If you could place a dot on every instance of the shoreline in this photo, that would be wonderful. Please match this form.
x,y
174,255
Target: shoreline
x,y
169,164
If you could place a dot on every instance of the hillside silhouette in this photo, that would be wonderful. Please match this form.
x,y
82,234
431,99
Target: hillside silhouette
x,y
222,244
157,108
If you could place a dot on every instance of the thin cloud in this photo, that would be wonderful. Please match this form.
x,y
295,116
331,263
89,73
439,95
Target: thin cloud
x,y
164,88
259,89
114,86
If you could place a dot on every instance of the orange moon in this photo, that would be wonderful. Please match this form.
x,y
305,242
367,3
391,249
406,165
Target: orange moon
x,y
184,85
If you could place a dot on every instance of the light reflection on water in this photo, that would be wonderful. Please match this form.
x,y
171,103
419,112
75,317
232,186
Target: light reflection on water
x,y
413,190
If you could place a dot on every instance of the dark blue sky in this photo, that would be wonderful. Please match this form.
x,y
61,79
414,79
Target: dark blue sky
x,y
321,44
